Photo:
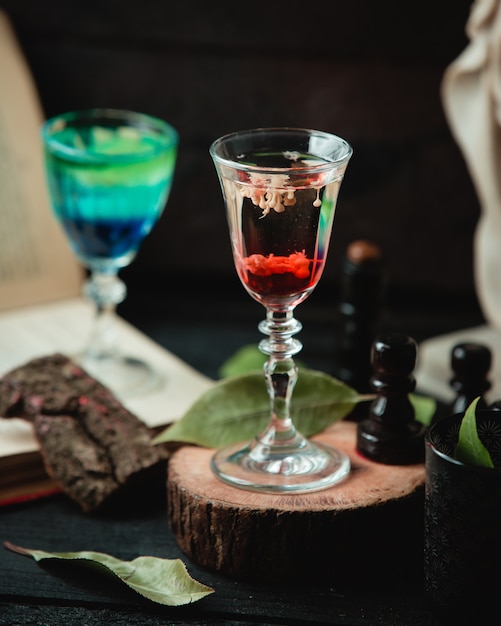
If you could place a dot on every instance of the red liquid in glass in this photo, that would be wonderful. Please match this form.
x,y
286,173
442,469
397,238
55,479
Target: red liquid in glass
x,y
282,240
280,256
280,275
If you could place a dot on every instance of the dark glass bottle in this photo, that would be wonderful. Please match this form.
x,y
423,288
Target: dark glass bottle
x,y
361,305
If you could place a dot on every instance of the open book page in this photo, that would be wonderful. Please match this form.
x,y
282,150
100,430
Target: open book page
x,y
64,327
36,264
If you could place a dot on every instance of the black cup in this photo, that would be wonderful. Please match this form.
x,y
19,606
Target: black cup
x,y
462,542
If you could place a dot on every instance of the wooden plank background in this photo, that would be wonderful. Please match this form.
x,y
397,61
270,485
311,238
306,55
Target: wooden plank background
x,y
368,71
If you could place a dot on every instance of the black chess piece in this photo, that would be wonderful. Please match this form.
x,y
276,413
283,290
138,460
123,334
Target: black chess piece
x,y
470,363
361,304
391,434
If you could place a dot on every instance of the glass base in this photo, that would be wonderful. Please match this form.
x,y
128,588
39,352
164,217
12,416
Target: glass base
x,y
277,469
125,376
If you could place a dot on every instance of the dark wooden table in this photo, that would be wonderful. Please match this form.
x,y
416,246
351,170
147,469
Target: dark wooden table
x,y
50,594
54,593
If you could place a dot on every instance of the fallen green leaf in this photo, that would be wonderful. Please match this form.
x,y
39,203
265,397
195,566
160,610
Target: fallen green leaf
x,y
164,581
469,448
238,408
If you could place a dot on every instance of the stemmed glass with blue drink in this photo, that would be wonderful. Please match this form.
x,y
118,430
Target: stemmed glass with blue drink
x,y
109,175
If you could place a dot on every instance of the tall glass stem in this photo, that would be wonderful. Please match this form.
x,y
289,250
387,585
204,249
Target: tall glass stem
x,y
103,358
281,375
106,290
280,459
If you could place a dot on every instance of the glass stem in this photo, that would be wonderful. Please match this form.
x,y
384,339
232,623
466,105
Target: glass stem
x,y
281,375
106,290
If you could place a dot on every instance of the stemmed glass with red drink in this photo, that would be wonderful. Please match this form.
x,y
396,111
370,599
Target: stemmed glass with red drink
x,y
280,187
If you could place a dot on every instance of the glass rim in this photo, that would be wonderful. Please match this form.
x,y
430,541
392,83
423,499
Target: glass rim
x,y
127,117
490,471
443,455
300,169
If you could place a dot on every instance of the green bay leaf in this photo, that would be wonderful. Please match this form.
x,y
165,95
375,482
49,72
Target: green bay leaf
x,y
246,359
469,448
164,581
238,408
424,408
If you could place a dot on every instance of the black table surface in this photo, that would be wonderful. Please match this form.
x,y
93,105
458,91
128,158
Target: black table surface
x,y
46,593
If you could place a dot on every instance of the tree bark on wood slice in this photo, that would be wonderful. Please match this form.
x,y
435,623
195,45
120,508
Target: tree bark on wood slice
x,y
370,526
97,451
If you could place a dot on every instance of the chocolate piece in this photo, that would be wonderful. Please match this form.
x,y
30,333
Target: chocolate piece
x,y
90,443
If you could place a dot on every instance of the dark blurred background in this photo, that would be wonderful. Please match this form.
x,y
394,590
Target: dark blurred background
x,y
368,71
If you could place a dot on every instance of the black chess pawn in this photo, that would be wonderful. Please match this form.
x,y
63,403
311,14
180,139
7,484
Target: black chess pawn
x,y
391,434
361,304
470,363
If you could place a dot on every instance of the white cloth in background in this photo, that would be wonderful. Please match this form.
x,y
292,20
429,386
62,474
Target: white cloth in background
x,y
471,96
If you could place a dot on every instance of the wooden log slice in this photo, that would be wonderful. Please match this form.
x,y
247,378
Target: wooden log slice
x,y
370,526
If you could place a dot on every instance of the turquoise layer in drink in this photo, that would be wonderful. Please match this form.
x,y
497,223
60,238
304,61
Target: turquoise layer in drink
x,y
109,185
